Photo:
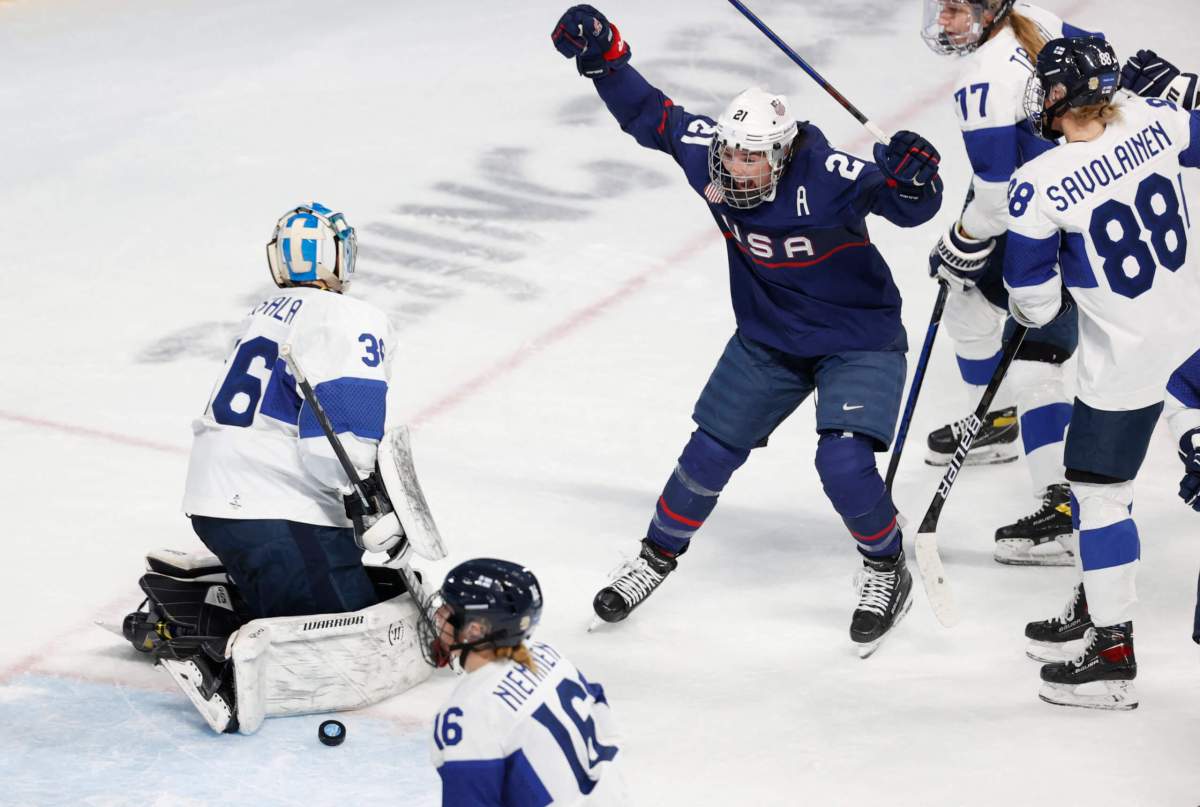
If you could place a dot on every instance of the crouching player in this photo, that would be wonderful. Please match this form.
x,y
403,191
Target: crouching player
x,y
523,726
1108,211
265,490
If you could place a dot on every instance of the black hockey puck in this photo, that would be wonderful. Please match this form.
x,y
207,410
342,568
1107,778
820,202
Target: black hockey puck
x,y
331,732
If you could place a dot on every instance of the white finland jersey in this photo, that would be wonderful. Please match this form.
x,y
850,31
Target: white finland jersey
x,y
989,104
258,450
508,737
1126,253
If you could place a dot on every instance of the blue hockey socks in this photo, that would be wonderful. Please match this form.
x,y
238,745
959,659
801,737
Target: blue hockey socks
x,y
846,464
691,493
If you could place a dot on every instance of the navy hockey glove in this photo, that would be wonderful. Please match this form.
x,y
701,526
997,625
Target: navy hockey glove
x,y
909,162
1189,452
1149,75
586,35
959,260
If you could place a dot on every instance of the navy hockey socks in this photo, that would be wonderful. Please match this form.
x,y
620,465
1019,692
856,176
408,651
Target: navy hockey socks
x,y
846,464
691,493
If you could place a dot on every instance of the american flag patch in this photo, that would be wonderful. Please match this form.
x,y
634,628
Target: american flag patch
x,y
714,194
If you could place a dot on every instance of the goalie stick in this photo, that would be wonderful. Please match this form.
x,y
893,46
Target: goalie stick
x,y
933,575
398,555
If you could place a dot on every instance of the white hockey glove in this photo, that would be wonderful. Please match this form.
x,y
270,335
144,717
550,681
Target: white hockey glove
x,y
382,534
959,260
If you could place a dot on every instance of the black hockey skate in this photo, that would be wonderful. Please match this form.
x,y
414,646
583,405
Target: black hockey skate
x,y
1101,677
884,597
632,582
995,443
1059,638
1037,539
209,685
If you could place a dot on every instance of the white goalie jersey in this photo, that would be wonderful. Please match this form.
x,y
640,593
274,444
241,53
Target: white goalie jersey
x,y
511,737
1111,219
258,450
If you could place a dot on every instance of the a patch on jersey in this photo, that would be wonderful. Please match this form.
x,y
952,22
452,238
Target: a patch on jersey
x,y
714,193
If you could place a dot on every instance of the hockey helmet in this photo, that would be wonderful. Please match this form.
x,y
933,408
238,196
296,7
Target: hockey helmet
x,y
752,148
961,26
312,243
504,598
1070,73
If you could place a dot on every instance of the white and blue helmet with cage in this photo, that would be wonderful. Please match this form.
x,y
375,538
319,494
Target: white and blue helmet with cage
x,y
312,243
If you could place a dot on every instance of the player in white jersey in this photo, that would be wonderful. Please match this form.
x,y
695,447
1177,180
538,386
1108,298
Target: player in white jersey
x,y
1107,216
523,727
998,41
1150,75
265,495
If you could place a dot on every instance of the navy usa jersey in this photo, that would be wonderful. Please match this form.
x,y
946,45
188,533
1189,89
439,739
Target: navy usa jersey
x,y
804,274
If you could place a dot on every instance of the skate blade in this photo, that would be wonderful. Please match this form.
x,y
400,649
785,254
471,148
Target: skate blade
x,y
187,677
108,625
1054,652
594,623
1023,552
977,456
1119,696
867,649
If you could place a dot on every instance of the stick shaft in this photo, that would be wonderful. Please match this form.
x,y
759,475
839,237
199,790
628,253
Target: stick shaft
x,y
875,131
914,391
310,396
929,523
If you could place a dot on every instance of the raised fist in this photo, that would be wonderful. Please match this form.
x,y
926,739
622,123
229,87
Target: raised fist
x,y
595,43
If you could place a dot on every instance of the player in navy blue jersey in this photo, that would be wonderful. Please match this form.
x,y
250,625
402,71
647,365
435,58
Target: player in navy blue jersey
x,y
814,300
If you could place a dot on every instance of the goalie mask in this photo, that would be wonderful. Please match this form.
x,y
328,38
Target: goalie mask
x,y
961,26
312,243
502,597
1071,73
752,148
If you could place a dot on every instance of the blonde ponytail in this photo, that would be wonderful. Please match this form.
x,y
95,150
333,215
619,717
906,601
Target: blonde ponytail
x,y
520,654
1027,34
1105,113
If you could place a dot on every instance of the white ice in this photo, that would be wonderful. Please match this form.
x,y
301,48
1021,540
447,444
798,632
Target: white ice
x,y
549,353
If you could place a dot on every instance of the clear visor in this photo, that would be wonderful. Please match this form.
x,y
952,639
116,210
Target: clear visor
x,y
746,177
952,26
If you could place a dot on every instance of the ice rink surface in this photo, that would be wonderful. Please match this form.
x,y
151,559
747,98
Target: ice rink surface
x,y
560,297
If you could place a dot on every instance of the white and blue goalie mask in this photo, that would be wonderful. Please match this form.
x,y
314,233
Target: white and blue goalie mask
x,y
312,243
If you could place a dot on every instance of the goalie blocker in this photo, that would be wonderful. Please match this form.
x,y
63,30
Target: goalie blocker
x,y
275,666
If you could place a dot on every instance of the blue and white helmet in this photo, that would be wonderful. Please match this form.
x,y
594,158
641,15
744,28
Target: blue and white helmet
x,y
312,243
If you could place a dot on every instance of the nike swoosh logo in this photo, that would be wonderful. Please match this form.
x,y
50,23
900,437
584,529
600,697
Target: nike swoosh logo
x,y
849,408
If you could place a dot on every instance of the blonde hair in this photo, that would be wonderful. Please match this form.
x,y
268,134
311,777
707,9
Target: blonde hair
x,y
520,654
1027,34
1105,113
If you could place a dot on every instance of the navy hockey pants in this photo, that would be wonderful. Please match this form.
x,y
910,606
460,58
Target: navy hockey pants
x,y
285,568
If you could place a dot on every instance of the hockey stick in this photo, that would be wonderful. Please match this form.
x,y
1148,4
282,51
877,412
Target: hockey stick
x,y
910,405
933,575
398,555
875,131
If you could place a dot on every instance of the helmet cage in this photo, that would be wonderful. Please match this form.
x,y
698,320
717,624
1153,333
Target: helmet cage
x,y
778,155
312,243
978,30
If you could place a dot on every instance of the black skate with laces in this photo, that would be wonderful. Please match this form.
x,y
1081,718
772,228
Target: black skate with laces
x,y
884,597
996,441
1037,539
1100,677
632,582
1059,638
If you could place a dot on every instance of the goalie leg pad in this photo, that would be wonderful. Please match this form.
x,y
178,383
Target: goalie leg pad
x,y
327,662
